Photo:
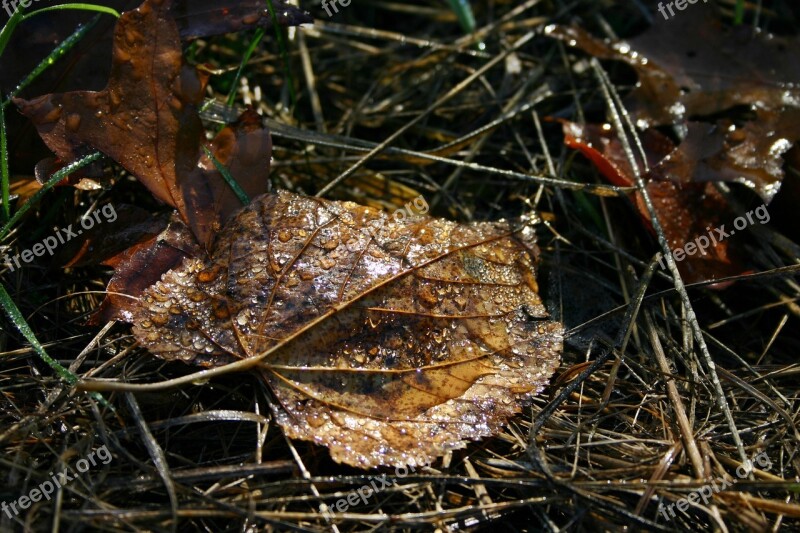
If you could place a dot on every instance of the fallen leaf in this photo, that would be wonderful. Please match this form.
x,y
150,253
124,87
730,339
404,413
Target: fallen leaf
x,y
146,119
244,149
388,339
709,69
139,267
130,226
750,154
686,206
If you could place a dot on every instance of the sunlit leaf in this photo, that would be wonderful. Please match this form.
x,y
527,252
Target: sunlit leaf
x,y
391,338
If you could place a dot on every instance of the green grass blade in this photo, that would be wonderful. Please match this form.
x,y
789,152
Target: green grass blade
x,y
8,29
57,53
19,322
55,178
79,7
247,54
464,13
5,177
738,15
226,175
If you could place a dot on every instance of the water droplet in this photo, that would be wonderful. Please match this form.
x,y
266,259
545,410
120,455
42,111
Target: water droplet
x,y
73,122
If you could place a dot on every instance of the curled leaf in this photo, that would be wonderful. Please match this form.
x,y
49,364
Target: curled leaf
x,y
141,265
389,340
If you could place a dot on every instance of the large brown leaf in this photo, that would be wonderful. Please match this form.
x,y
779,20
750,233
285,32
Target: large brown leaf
x,y
145,119
389,345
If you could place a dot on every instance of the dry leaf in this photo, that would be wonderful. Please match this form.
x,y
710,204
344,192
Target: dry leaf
x,y
389,340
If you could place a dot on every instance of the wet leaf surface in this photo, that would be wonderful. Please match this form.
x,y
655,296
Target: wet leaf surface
x,y
146,119
677,82
388,340
686,208
140,266
709,69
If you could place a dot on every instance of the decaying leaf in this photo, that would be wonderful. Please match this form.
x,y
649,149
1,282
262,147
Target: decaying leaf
x,y
712,70
146,119
709,69
142,265
389,340
686,204
143,118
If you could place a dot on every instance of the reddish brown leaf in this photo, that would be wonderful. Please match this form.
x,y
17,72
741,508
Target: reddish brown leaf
x,y
390,340
244,149
602,146
709,70
145,119
686,207
139,267
128,226
751,154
